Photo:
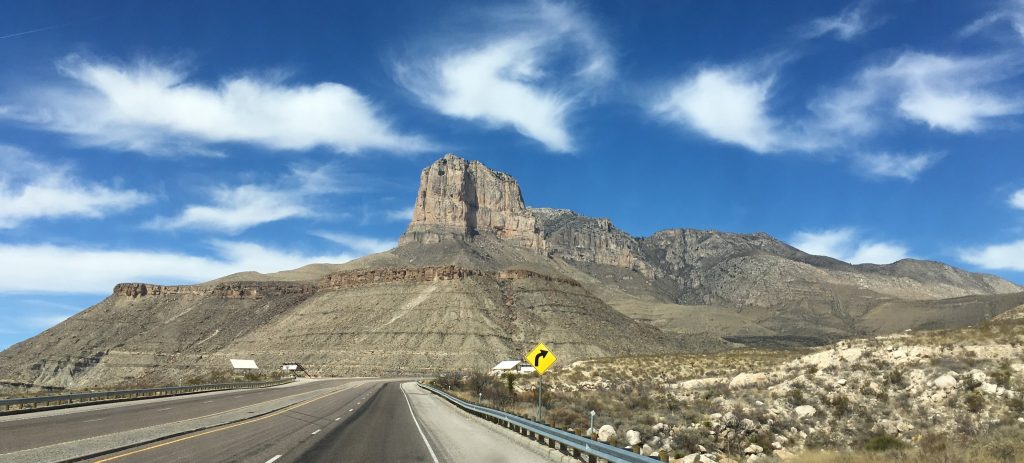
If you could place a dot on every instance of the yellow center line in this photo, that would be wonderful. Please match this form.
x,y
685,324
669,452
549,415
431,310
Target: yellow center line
x,y
223,428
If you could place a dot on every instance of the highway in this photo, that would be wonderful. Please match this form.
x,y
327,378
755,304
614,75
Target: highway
x,y
338,420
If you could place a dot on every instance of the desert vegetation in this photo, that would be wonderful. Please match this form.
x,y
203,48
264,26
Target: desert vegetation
x,y
949,395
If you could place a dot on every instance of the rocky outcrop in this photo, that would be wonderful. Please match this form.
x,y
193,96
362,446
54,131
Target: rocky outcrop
x,y
362,277
580,239
461,199
234,290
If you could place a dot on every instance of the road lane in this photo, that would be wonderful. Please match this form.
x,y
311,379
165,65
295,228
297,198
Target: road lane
x,y
383,429
28,431
271,437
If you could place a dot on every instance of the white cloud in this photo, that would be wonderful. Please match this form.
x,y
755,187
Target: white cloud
x,y
48,268
235,209
400,215
849,23
1007,256
508,80
845,244
1011,12
949,93
31,190
1017,199
156,109
728,105
358,243
893,165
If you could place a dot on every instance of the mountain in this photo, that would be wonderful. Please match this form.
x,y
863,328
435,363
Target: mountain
x,y
479,277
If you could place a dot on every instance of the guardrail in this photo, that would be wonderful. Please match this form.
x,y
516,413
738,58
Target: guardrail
x,y
577,446
27,404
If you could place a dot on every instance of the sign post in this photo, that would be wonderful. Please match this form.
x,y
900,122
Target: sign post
x,y
541,358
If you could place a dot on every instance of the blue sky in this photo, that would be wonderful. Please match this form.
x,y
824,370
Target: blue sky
x,y
175,142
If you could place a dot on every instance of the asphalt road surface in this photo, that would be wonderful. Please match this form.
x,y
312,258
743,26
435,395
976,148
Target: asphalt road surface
x,y
377,420
19,432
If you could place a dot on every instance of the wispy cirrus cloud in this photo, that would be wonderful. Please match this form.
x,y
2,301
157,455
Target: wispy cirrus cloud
x,y
1010,12
399,215
849,23
847,245
517,77
31,189
82,269
156,109
234,209
905,166
956,94
357,243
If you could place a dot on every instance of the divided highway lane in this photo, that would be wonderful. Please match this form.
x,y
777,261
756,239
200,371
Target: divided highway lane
x,y
26,431
261,439
382,421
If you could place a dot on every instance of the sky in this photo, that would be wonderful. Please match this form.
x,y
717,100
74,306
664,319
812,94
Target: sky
x,y
176,142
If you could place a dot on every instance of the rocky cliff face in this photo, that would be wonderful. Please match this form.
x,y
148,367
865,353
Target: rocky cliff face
x,y
461,199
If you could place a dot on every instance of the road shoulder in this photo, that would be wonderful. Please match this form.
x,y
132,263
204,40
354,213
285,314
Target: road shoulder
x,y
462,437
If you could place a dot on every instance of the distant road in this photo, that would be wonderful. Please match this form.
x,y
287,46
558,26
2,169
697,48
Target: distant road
x,y
377,420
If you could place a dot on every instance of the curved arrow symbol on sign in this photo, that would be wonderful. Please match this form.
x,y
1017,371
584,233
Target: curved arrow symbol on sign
x,y
536,359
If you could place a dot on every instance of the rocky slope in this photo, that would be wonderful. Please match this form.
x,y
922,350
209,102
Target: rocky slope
x,y
939,393
478,276
379,320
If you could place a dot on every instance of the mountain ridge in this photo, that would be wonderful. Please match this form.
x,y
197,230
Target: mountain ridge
x,y
477,277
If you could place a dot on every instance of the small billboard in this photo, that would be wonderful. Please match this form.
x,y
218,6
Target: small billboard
x,y
242,364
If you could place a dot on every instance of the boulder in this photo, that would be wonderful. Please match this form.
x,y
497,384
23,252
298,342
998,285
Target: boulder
x,y
804,411
945,382
743,380
606,432
753,449
633,437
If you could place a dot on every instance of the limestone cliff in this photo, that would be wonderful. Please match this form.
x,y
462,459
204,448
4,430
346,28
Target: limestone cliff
x,y
461,199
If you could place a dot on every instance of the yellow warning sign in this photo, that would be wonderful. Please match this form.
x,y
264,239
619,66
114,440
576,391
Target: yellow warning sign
x,y
540,358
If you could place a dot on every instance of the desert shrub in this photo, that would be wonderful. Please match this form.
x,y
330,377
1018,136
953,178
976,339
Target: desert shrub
x,y
884,442
840,404
795,397
934,444
974,402
687,439
1003,374
895,377
565,417
1016,405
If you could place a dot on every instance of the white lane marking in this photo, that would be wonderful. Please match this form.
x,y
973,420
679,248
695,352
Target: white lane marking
x,y
164,409
272,460
350,410
418,428
314,432
90,421
337,419
208,401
